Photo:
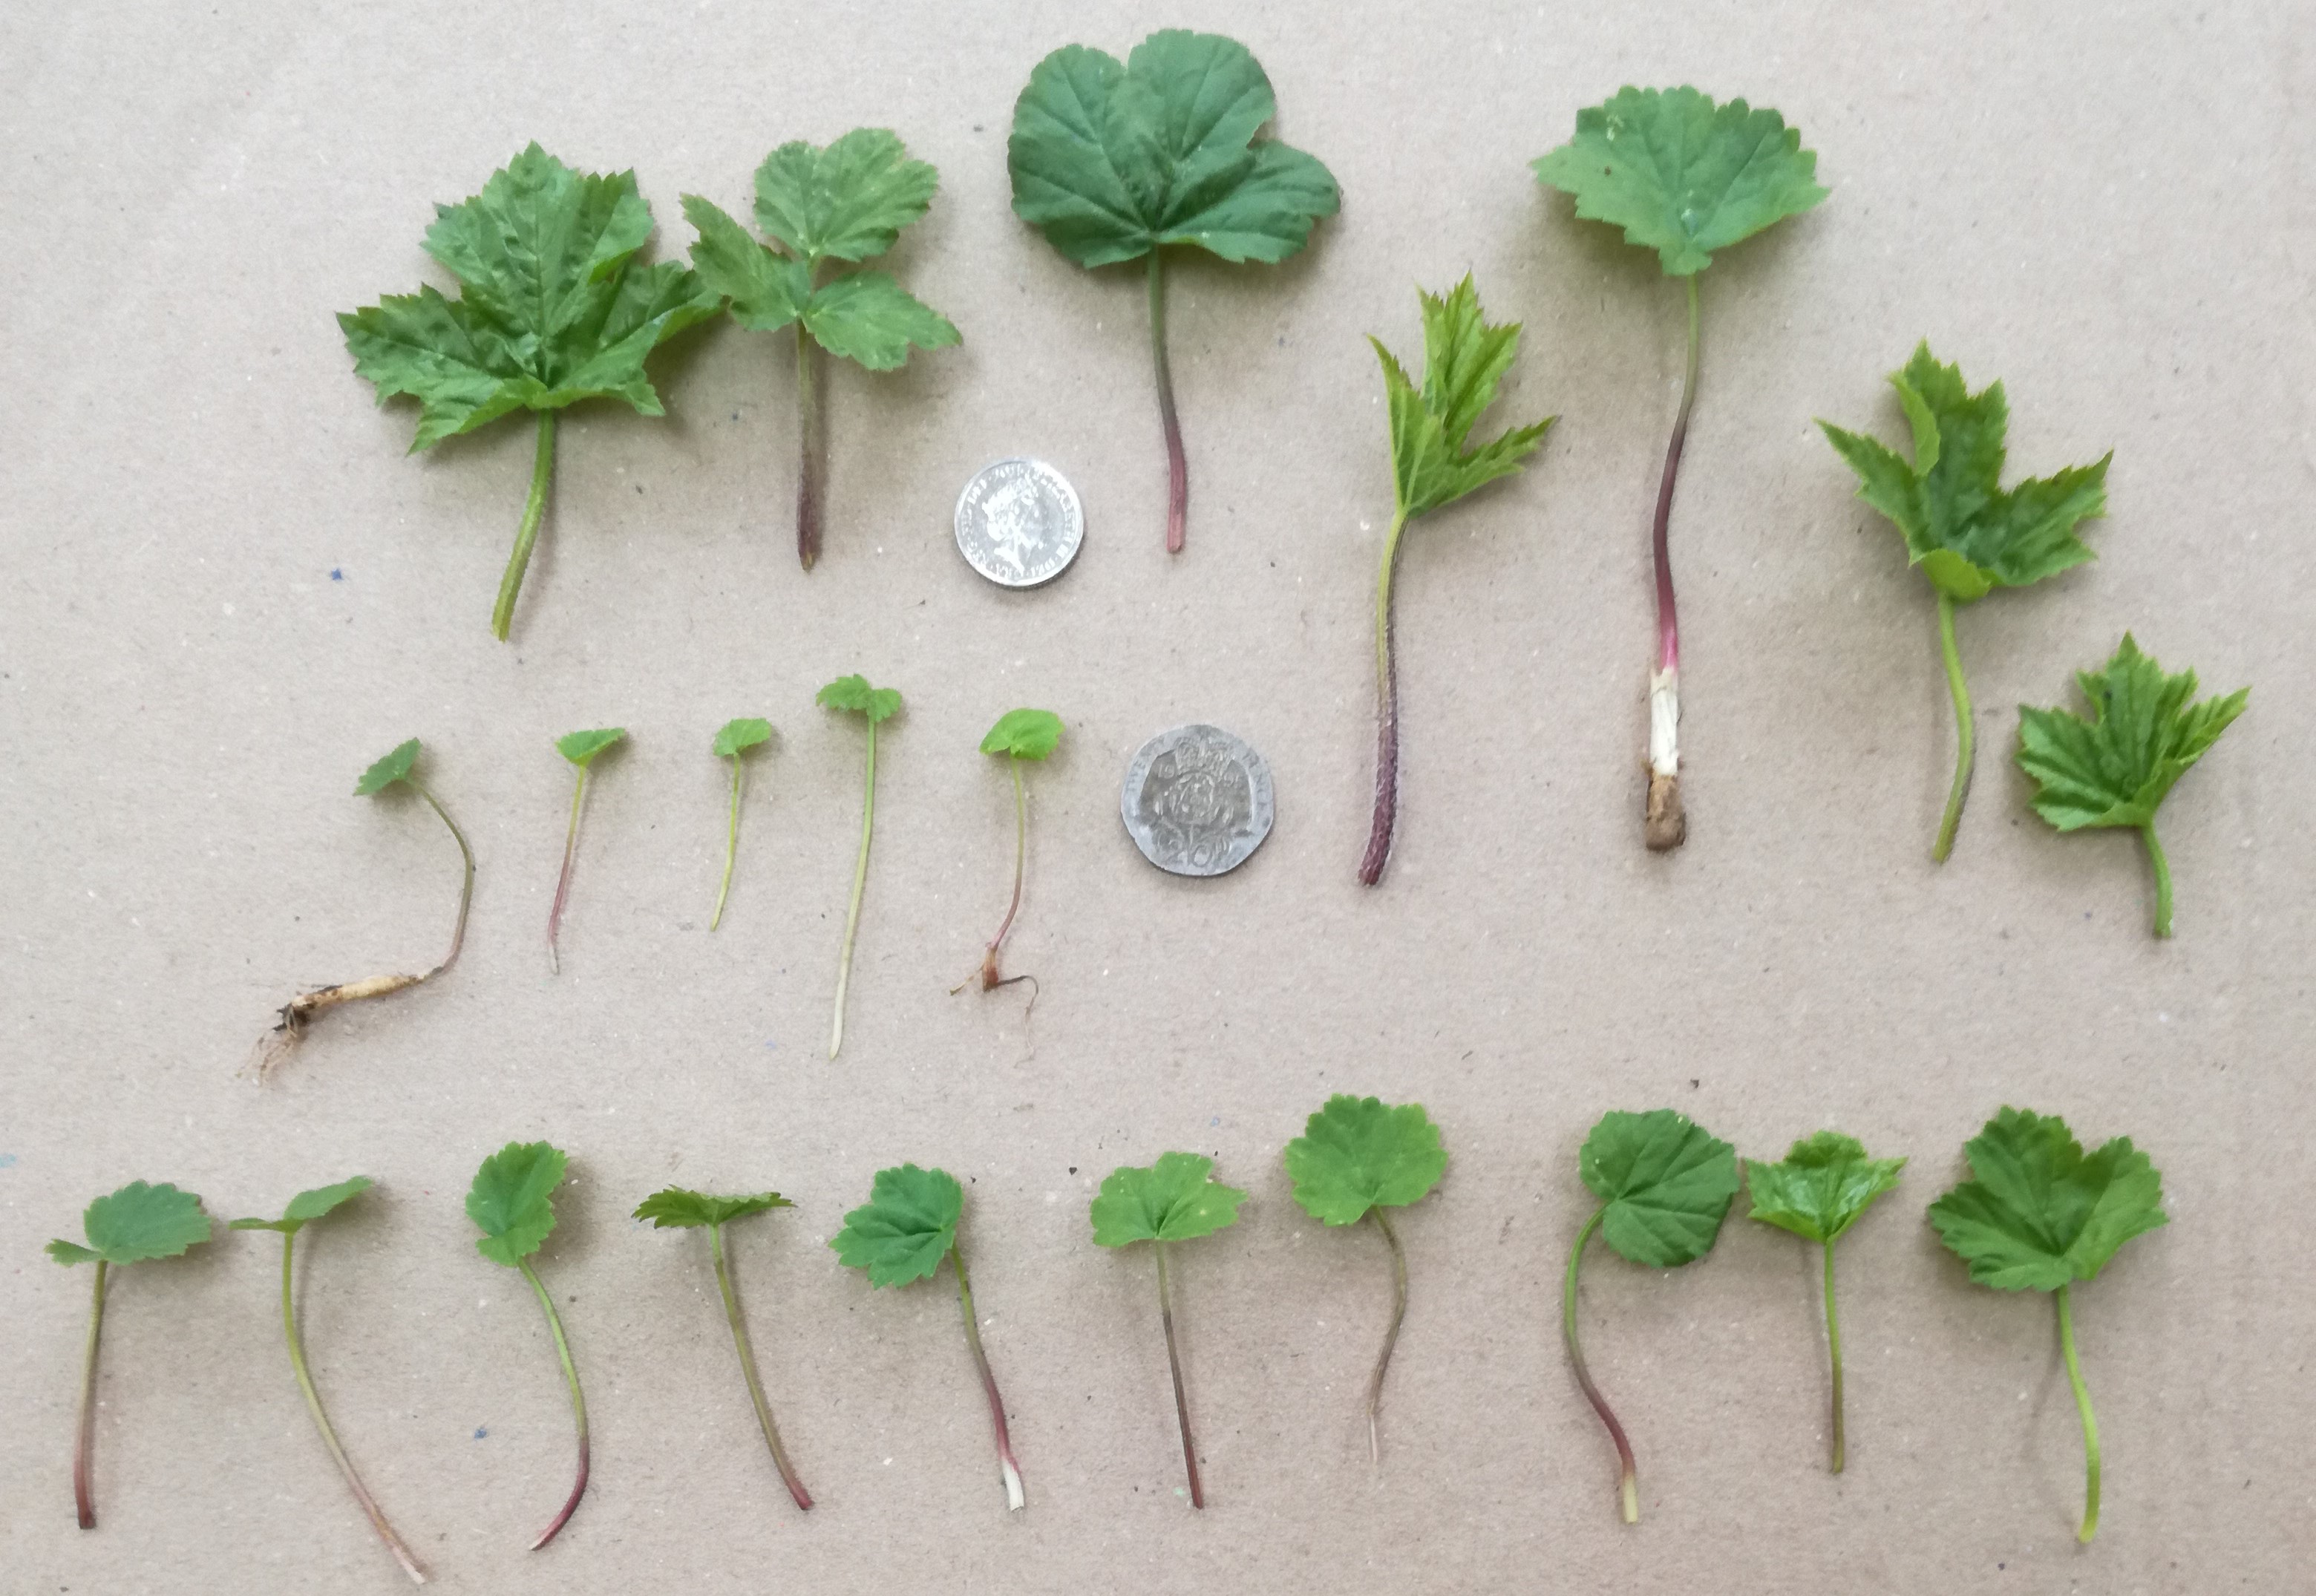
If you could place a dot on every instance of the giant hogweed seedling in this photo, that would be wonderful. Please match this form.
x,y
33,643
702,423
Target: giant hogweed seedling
x,y
134,1225
1968,533
1819,1190
2115,769
1664,1186
394,769
733,743
674,1207
1175,1200
845,204
512,1203
581,749
552,310
875,705
1114,163
304,1209
902,1234
1685,177
1433,463
2038,1214
1019,734
1356,1157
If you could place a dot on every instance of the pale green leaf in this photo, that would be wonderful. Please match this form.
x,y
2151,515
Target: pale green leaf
x,y
1466,358
134,1224
675,1208
1024,734
309,1206
1361,1153
905,1228
846,202
2145,732
1171,1200
869,318
389,768
582,747
1822,1186
854,695
741,732
512,1199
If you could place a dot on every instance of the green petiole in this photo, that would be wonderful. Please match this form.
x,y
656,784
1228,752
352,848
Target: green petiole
x,y
748,1368
2090,1421
859,881
1628,1477
534,510
731,849
578,1403
1965,735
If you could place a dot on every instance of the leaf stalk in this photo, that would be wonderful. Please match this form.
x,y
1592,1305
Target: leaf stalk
x,y
85,1448
1386,775
1833,1346
466,889
578,1403
731,848
563,880
2090,1421
534,511
748,1368
859,880
1178,470
1174,1363
1966,733
1015,1500
1629,1477
812,463
1665,823
1391,1337
2162,866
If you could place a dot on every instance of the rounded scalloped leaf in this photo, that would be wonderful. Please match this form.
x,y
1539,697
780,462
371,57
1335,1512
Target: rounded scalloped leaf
x,y
1664,1182
744,731
1361,1153
137,1223
676,1208
388,770
853,693
1024,734
582,747
512,1199
905,1228
1824,1184
2038,1212
1173,1199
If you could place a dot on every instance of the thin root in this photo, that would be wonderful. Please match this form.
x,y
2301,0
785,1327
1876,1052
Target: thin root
x,y
274,1048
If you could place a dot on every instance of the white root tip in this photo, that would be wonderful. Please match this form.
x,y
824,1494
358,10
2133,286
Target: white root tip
x,y
1015,1500
1664,722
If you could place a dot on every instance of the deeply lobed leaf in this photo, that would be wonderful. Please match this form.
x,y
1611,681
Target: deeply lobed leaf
x,y
1465,359
1361,1153
2145,732
1961,527
905,1228
854,695
676,1208
1111,161
582,747
741,732
1682,175
551,309
1822,1186
1664,1183
512,1199
390,768
1174,1200
137,1223
1024,734
2038,1212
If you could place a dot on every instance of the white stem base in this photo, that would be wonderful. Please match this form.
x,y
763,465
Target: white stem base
x,y
1664,722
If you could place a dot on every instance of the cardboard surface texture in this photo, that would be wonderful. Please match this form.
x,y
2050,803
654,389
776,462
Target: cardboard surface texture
x,y
224,588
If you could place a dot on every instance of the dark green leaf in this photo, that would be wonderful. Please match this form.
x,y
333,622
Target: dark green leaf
x,y
136,1222
1113,161
1825,1182
905,1228
853,693
389,768
1665,1185
1171,1200
767,290
846,202
512,1199
1024,734
1465,359
673,1207
582,747
2037,1213
1681,175
2145,732
745,732
1961,527
1361,1153
869,318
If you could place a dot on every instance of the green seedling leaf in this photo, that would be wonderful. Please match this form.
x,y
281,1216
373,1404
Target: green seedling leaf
x,y
2038,1214
581,748
512,1203
1019,734
853,695
1825,1182
1434,463
2146,730
845,203
1356,1157
673,1207
304,1209
1112,162
1685,177
737,736
1968,533
1175,1200
552,310
1664,1184
135,1225
397,767
902,1234
1024,734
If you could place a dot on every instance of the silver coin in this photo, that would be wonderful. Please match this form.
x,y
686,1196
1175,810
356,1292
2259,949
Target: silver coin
x,y
1019,522
1196,801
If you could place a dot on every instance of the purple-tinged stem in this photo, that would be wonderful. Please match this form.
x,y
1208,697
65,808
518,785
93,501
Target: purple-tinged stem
x,y
84,1450
1627,1477
563,880
578,1405
1665,823
1178,470
812,464
1386,773
1014,1497
1174,1363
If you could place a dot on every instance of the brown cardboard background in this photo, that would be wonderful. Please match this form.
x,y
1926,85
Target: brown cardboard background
x,y
2109,207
